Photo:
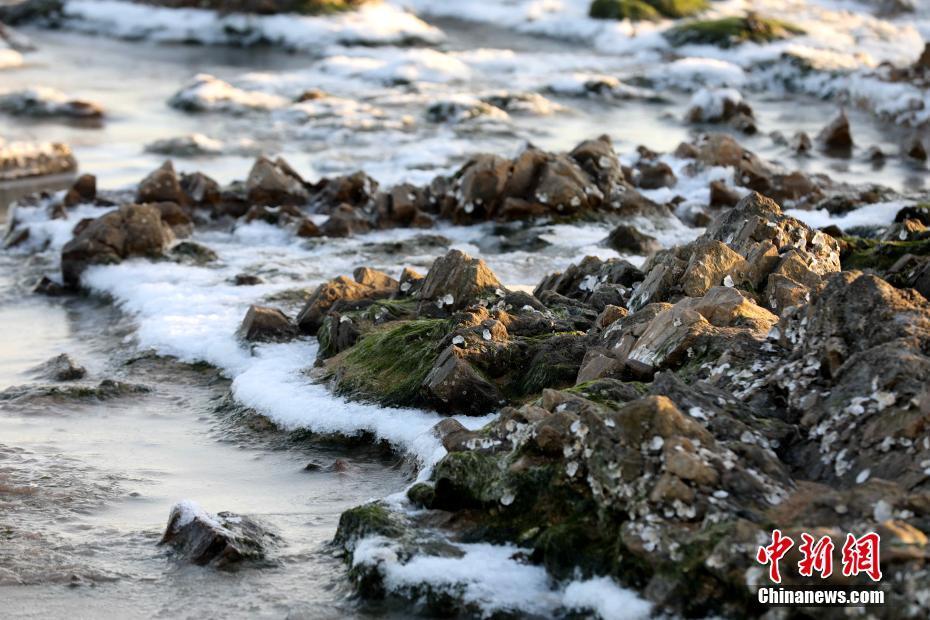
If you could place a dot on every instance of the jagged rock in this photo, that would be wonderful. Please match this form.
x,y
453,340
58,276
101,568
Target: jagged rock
x,y
837,135
375,278
131,230
627,239
162,185
453,384
224,541
355,190
410,283
328,294
201,190
275,183
263,324
854,375
753,245
456,281
60,368
84,191
593,280
345,221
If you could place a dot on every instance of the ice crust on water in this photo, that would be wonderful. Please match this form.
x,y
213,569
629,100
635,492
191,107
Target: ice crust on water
x,y
490,578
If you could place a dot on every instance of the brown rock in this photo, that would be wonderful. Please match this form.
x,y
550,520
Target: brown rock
x,y
263,324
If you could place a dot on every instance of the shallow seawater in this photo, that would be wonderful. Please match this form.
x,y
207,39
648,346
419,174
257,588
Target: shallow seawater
x,y
86,486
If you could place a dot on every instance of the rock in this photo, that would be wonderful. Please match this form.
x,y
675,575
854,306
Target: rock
x,y
374,278
162,185
46,102
130,231
345,221
753,245
274,183
263,324
60,368
201,190
247,279
728,32
800,143
636,10
915,150
326,295
224,541
193,253
14,13
70,393
875,154
47,286
627,239
837,135
722,196
869,342
656,175
456,281
454,385
190,145
84,191
19,160
265,7
719,105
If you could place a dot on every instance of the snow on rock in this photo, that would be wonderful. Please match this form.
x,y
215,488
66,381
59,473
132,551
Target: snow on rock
x,y
205,93
375,24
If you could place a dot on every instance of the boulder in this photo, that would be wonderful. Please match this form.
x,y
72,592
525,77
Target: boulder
x,y
130,231
19,160
224,541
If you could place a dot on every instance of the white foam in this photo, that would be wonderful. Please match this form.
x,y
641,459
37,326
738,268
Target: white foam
x,y
493,579
879,214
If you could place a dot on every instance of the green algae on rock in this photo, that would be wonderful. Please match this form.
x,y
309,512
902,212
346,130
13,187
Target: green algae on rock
x,y
637,10
731,31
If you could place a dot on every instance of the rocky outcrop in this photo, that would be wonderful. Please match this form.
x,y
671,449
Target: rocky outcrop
x,y
224,541
130,231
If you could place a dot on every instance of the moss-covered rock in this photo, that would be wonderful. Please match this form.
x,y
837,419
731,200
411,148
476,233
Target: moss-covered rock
x,y
637,10
731,31
390,364
878,255
265,7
